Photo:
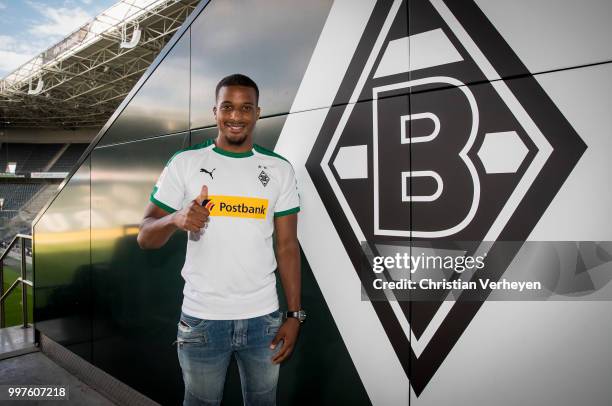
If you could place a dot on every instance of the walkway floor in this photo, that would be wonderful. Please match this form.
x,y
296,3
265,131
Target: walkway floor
x,y
23,364
16,340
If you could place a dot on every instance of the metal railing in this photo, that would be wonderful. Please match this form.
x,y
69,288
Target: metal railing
x,y
20,280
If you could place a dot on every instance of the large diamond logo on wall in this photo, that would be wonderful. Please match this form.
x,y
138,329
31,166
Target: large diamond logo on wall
x,y
445,137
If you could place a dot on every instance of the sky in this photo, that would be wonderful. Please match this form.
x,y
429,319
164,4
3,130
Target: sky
x,y
28,27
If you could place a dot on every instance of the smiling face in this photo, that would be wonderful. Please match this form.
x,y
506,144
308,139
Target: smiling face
x,y
236,113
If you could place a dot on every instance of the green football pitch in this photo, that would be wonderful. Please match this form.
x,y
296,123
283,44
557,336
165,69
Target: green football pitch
x,y
12,304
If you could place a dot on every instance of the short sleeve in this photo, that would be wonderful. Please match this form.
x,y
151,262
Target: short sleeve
x,y
289,199
168,192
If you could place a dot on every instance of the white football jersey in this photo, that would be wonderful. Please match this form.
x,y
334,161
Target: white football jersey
x,y
229,268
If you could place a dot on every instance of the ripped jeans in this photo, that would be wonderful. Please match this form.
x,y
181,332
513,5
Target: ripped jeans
x,y
205,348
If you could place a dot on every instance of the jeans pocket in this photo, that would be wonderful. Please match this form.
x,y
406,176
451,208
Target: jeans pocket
x,y
191,330
273,322
186,321
274,317
190,336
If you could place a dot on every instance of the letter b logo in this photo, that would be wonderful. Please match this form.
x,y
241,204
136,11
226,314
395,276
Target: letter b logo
x,y
423,175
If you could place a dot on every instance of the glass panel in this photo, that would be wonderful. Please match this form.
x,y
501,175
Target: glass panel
x,y
62,278
161,105
229,37
137,293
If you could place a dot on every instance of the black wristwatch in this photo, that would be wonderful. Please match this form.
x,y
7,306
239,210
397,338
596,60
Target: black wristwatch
x,y
300,315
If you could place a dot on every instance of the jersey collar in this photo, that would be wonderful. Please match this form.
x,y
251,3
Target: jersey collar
x,y
232,154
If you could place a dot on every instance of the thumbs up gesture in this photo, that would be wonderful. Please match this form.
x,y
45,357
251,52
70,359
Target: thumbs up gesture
x,y
203,196
195,215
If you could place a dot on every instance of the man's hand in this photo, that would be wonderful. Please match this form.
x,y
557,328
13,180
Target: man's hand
x,y
194,216
288,333
288,259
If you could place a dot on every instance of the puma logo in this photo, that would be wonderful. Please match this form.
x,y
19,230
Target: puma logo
x,y
208,172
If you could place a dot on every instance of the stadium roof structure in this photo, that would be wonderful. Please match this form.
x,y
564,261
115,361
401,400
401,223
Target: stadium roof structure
x,y
82,79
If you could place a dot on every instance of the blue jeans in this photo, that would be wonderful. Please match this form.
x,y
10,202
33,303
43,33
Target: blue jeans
x,y
205,348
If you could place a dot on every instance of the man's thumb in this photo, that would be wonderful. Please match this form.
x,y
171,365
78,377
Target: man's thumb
x,y
275,341
203,194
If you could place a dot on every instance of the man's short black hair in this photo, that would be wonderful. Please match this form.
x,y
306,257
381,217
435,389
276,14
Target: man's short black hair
x,y
237,79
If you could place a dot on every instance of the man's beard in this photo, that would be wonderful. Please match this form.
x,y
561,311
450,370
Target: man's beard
x,y
236,141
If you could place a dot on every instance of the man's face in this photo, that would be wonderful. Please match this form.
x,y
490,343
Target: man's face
x,y
236,113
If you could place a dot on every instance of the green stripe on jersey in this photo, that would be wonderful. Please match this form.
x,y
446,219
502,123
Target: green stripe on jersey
x,y
268,152
287,212
201,145
160,204
232,154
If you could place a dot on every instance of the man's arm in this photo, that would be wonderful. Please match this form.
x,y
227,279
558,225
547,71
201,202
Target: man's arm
x,y
288,259
158,225
156,228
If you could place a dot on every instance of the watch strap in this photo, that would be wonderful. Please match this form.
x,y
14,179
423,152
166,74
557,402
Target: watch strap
x,y
300,315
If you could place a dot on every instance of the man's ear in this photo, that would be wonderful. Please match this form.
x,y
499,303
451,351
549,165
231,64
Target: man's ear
x,y
258,112
215,111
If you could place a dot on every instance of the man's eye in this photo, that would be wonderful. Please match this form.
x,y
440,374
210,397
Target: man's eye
x,y
225,108
247,108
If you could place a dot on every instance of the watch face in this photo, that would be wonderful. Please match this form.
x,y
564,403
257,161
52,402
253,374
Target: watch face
x,y
300,315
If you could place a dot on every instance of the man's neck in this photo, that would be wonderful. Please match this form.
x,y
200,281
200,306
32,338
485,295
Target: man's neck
x,y
246,146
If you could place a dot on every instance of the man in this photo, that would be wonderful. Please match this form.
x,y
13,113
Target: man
x,y
230,196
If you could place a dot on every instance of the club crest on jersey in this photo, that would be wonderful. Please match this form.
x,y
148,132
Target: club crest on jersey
x,y
264,178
